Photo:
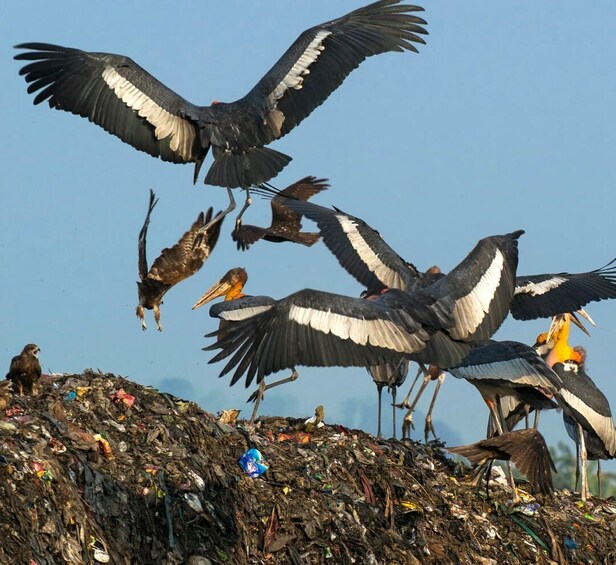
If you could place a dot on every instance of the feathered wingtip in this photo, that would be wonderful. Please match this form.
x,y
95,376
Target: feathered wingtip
x,y
526,449
242,170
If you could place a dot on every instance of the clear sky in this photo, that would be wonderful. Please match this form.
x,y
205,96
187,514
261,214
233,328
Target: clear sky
x,y
504,120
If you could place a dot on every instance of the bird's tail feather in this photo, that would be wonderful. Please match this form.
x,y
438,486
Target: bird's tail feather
x,y
255,166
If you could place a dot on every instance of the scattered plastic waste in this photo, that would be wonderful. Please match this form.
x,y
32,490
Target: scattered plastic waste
x,y
253,463
527,509
571,544
159,482
122,396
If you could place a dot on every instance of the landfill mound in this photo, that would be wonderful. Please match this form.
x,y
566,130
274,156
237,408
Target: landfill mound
x,y
98,469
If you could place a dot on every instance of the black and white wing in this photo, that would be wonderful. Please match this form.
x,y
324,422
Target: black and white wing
x,y
117,94
508,361
321,58
479,290
360,249
543,296
584,402
315,328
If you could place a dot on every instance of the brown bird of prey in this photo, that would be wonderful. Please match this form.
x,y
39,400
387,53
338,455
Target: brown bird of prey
x,y
286,224
25,370
174,264
526,449
6,388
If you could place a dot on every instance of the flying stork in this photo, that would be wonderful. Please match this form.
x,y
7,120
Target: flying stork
x,y
117,94
363,253
431,325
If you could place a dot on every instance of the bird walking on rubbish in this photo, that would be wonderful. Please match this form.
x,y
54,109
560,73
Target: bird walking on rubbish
x,y
124,99
174,264
25,370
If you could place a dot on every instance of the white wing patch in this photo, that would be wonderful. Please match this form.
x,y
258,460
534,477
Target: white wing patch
x,y
293,79
470,310
603,426
243,313
378,333
537,289
515,371
181,131
387,276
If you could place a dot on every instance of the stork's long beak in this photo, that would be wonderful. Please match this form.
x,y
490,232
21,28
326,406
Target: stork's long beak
x,y
585,314
221,288
578,323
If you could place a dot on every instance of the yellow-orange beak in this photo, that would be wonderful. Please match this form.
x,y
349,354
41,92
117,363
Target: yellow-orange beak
x,y
221,288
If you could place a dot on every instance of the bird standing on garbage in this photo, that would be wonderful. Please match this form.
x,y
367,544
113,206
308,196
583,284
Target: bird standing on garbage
x,y
586,411
174,264
25,370
390,375
124,99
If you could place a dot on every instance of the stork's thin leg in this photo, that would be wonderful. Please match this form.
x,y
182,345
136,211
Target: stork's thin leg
x,y
584,457
260,392
247,203
577,463
393,409
599,477
497,412
220,215
536,421
408,418
257,395
405,402
428,426
379,390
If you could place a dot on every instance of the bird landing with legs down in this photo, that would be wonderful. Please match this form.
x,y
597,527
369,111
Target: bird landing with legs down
x,y
238,306
117,94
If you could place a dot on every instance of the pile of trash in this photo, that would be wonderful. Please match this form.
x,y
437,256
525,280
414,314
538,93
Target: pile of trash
x,y
98,469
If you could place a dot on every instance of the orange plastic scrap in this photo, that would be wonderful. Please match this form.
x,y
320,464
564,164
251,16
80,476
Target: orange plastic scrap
x,y
122,396
104,444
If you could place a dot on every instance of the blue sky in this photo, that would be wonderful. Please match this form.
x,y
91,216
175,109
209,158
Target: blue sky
x,y
505,120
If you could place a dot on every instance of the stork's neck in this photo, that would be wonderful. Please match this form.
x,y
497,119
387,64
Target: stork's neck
x,y
562,351
235,292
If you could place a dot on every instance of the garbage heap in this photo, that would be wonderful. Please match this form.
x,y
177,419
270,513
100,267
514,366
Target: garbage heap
x,y
98,469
